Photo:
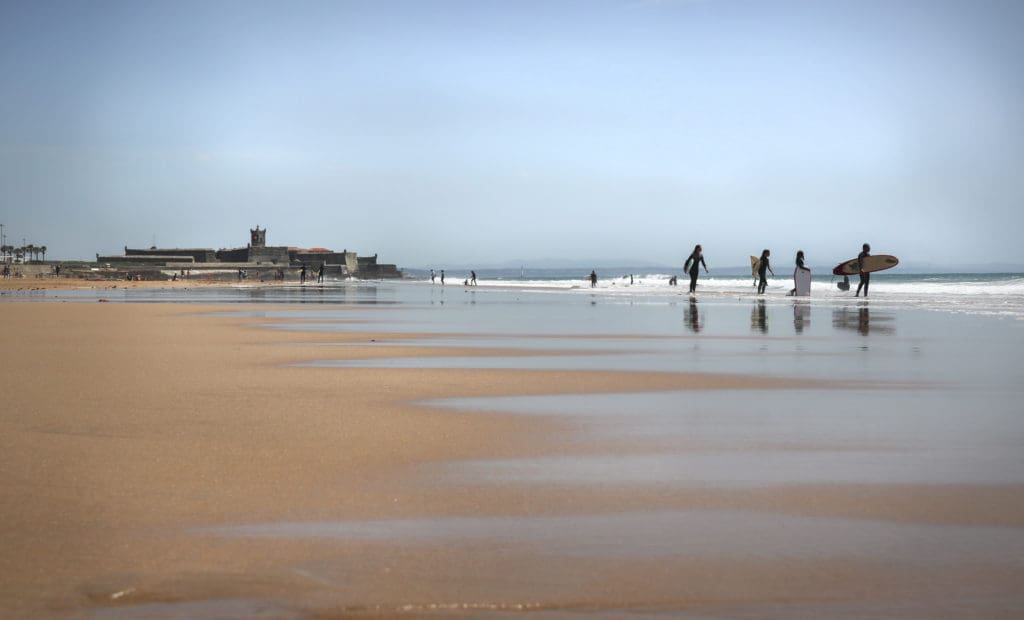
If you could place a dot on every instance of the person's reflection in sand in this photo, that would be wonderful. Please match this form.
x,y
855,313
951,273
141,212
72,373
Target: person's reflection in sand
x,y
759,317
862,321
692,317
801,316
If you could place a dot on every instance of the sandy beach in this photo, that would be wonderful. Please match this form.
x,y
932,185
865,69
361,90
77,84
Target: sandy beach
x,y
170,460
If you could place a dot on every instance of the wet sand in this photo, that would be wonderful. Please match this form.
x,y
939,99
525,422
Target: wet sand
x,y
142,444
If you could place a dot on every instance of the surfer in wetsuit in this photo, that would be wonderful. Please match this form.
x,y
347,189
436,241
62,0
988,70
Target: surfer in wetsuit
x,y
762,271
697,258
865,278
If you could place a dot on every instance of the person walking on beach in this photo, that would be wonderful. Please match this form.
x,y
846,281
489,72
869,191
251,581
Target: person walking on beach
x,y
865,278
472,278
762,270
432,276
593,279
442,277
692,266
302,274
320,273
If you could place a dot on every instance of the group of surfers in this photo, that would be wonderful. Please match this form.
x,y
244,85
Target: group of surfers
x,y
696,259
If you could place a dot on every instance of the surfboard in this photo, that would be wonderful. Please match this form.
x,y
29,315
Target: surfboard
x,y
755,264
802,282
878,262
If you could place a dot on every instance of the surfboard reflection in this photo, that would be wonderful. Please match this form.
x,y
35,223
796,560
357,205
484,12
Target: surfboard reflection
x,y
864,321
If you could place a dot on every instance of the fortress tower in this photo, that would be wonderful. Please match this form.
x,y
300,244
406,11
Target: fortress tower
x,y
258,237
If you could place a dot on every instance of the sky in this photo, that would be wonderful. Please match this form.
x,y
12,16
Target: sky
x,y
487,133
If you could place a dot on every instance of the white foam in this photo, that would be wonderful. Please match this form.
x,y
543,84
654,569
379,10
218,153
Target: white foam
x,y
986,295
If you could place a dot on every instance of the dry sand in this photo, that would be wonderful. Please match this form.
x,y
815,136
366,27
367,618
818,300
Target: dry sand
x,y
126,429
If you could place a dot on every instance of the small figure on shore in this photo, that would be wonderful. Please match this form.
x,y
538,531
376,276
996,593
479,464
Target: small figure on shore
x,y
762,272
442,277
320,273
673,281
692,266
241,274
593,279
432,276
472,278
302,274
865,278
630,279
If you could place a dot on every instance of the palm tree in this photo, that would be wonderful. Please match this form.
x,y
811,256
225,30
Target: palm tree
x,y
42,250
30,250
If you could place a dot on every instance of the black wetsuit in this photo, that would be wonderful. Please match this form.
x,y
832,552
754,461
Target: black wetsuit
x,y
698,259
865,278
762,273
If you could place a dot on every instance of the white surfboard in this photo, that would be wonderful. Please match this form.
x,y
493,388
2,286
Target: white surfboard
x,y
802,282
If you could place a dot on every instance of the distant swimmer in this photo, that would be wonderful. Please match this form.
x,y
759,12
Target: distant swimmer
x,y
697,259
593,279
762,272
865,278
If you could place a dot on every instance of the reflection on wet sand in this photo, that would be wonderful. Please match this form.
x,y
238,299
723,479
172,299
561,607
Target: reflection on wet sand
x,y
801,315
693,318
759,317
863,322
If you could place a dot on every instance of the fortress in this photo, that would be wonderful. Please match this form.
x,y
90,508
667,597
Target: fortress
x,y
256,257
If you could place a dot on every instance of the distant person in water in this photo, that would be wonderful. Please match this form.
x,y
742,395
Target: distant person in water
x,y
865,278
799,266
762,272
692,266
593,279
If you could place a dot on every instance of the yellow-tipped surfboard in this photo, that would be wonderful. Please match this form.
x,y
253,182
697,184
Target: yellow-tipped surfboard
x,y
877,262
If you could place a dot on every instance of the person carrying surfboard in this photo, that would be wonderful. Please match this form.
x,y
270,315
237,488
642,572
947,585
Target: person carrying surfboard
x,y
697,259
865,278
799,268
762,271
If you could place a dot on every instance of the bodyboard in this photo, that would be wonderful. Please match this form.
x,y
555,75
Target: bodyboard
x,y
802,282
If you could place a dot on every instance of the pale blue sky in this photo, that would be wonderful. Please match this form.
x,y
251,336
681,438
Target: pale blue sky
x,y
489,132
